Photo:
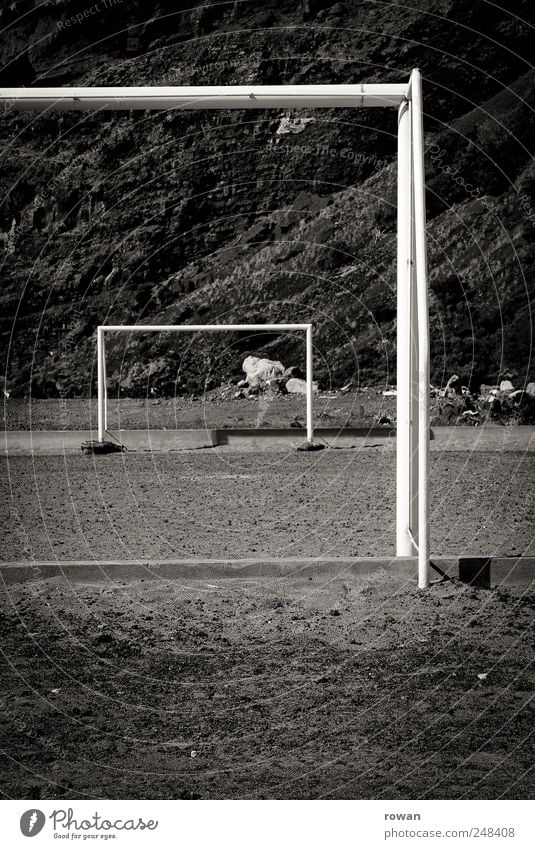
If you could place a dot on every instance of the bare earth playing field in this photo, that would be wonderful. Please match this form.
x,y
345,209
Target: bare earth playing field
x,y
267,689
222,505
277,688
216,409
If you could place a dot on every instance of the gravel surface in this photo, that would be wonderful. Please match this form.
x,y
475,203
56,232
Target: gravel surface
x,y
263,688
266,689
331,410
210,504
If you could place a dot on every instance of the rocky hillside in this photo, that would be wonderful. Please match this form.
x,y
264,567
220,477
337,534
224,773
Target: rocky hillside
x,y
191,217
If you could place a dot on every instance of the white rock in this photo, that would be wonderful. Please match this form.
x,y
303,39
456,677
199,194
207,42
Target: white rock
x,y
259,371
295,386
506,386
530,389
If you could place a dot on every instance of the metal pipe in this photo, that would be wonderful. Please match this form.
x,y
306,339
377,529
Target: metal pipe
x,y
193,328
104,383
100,382
309,375
423,328
202,97
404,544
414,391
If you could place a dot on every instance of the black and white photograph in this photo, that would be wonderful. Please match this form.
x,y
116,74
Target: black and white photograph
x,y
268,383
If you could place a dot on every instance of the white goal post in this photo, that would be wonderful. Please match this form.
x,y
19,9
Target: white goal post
x,y
413,363
194,328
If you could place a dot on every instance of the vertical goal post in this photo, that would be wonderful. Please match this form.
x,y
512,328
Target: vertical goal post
x,y
102,394
413,360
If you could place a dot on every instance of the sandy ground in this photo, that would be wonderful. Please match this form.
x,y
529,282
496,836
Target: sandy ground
x,y
279,504
267,689
263,688
336,410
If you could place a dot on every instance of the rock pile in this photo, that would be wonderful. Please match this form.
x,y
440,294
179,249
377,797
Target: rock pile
x,y
264,375
501,404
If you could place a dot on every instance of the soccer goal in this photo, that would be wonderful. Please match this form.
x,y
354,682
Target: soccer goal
x,y
413,369
195,328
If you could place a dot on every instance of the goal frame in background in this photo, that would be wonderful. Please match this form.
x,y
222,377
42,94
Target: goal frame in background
x,y
102,393
413,358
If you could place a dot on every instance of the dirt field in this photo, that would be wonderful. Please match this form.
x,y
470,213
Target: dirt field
x,y
263,688
267,689
280,504
331,410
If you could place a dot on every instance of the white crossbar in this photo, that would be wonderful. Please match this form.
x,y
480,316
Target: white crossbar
x,y
202,97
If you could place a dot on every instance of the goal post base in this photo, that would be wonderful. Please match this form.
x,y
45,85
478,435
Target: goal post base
x,y
310,446
102,446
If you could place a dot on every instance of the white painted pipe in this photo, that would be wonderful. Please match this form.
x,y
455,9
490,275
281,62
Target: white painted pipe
x,y
423,328
310,391
100,384
185,328
193,328
104,383
414,386
404,493
202,97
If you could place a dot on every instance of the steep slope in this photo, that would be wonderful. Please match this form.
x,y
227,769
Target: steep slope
x,y
189,217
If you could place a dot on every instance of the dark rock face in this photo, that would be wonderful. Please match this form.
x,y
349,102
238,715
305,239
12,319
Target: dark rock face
x,y
192,217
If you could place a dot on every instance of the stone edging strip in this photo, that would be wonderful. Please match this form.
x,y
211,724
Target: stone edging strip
x,y
57,443
485,572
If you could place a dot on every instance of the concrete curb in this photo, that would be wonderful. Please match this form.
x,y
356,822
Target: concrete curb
x,y
58,443
481,571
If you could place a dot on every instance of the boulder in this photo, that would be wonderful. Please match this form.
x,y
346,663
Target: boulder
x,y
530,389
296,386
506,386
259,371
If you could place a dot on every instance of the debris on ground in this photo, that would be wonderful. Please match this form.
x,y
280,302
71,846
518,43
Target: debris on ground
x,y
385,420
499,404
293,125
93,446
